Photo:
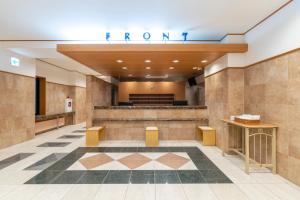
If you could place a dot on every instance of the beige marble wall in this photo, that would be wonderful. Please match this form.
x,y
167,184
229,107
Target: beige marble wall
x,y
224,96
80,104
55,100
98,93
17,109
272,89
55,97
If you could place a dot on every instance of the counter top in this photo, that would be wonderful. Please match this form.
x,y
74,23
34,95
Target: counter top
x,y
149,107
39,118
260,125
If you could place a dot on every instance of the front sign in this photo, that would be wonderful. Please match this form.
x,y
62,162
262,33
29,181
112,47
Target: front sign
x,y
15,62
147,36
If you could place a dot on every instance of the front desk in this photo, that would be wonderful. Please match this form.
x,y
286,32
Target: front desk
x,y
129,122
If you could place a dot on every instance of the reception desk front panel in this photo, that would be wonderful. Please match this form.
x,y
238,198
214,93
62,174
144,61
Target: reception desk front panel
x,y
128,123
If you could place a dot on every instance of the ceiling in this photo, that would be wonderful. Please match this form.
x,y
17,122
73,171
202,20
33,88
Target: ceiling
x,y
90,19
149,61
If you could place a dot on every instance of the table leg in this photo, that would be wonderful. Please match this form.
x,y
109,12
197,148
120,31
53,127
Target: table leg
x,y
274,150
247,150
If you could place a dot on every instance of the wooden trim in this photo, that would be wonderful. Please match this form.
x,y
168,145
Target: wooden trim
x,y
221,48
259,62
273,57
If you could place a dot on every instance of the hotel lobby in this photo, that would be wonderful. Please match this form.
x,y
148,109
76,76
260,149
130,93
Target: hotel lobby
x,y
160,100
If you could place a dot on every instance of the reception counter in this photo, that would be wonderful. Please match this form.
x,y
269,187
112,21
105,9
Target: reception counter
x,y
129,122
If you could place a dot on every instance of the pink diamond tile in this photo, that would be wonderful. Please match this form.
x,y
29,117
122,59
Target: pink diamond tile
x,y
134,160
172,160
95,161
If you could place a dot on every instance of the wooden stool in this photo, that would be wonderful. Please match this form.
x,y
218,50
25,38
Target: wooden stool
x,y
93,135
151,136
207,135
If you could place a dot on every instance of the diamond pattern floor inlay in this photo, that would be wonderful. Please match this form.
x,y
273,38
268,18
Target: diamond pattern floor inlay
x,y
134,161
172,160
95,161
136,165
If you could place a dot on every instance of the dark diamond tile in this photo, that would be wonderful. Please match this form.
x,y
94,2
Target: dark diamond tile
x,y
46,162
112,149
142,177
190,176
93,177
13,159
128,149
166,176
205,165
117,177
176,149
54,144
71,137
68,177
45,177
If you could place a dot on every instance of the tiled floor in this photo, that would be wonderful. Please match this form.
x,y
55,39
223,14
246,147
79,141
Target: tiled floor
x,y
156,175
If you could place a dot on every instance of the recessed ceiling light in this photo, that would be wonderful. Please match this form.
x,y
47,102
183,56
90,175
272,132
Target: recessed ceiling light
x,y
119,61
148,67
171,68
124,68
147,61
194,68
204,61
175,61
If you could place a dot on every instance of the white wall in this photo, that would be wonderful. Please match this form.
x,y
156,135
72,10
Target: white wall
x,y
58,75
27,65
278,34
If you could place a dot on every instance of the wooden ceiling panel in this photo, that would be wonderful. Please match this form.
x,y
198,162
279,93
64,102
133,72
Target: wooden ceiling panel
x,y
103,58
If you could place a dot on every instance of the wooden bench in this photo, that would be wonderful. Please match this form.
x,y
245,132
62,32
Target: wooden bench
x,y
207,135
151,136
94,135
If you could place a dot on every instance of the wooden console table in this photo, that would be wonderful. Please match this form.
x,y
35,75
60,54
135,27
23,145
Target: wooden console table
x,y
261,135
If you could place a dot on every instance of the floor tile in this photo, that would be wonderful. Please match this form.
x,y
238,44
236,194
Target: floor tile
x,y
79,131
170,177
142,177
198,191
24,192
82,192
140,192
190,176
68,177
45,177
112,192
214,176
5,189
117,177
46,162
228,192
54,144
93,177
256,191
13,159
283,191
52,192
170,192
